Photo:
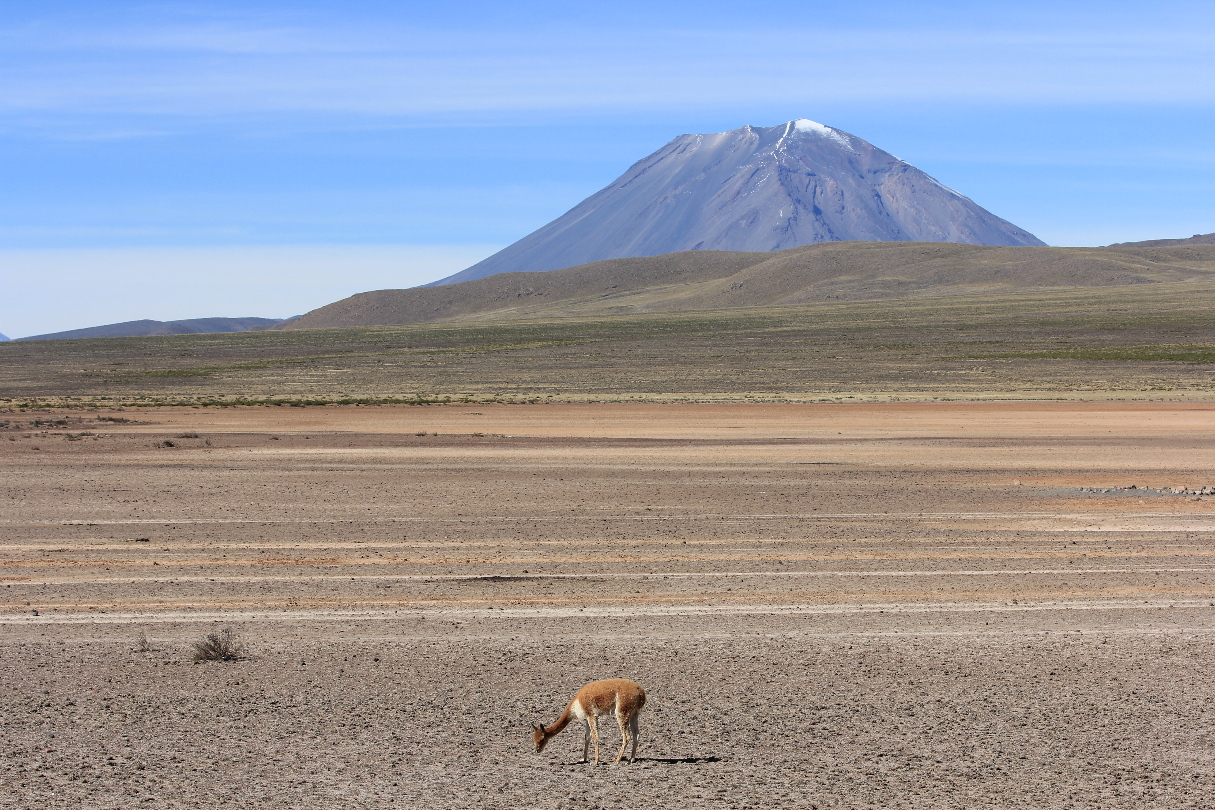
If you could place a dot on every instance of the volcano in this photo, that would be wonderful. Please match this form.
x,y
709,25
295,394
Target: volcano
x,y
755,189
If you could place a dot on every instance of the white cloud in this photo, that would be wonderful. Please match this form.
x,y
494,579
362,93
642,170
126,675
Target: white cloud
x,y
55,290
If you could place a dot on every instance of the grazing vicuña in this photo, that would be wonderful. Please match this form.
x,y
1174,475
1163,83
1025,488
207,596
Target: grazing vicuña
x,y
621,696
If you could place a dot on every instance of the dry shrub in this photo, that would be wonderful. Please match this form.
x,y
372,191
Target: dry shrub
x,y
225,645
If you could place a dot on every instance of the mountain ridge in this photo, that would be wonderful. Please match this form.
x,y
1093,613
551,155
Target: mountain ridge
x,y
1196,239
146,327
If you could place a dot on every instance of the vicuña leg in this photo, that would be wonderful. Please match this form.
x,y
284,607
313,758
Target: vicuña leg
x,y
633,725
624,736
586,739
593,721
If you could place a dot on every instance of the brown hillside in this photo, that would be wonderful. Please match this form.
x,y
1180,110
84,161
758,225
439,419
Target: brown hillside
x,y
710,280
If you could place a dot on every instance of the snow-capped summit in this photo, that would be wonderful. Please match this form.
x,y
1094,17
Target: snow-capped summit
x,y
755,189
806,125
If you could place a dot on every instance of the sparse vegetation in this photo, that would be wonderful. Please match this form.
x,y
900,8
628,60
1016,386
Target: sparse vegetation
x,y
1123,340
1148,354
225,645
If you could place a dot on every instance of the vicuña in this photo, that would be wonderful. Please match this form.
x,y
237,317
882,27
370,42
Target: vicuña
x,y
621,696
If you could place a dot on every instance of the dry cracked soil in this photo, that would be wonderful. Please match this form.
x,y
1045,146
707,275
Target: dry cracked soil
x,y
894,605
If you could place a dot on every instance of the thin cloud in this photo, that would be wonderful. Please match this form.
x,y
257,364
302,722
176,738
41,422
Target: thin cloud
x,y
214,69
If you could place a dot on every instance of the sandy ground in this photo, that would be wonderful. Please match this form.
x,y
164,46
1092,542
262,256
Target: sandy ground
x,y
882,605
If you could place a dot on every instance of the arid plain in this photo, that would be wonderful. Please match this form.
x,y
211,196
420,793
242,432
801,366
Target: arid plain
x,y
888,604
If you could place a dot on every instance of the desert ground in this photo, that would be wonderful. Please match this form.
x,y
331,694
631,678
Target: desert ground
x,y
895,605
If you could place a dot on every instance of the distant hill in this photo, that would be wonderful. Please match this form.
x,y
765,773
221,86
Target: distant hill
x,y
1196,239
711,280
192,326
3,338
754,189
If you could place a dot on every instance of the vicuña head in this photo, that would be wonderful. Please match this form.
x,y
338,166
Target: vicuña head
x,y
539,737
620,696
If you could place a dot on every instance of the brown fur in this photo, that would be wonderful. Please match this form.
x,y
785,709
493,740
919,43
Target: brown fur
x,y
618,696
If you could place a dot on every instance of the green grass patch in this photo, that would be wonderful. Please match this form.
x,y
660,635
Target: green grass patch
x,y
207,371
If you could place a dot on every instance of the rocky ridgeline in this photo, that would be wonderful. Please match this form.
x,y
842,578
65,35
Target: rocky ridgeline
x,y
1154,490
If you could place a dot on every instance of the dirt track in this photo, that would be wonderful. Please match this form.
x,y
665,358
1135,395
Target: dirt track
x,y
894,605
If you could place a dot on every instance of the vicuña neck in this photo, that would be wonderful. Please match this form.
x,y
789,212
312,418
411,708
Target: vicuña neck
x,y
562,721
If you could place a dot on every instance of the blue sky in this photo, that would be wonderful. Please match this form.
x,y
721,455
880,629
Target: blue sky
x,y
174,160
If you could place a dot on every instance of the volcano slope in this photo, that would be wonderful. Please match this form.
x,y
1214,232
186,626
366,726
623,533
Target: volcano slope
x,y
918,605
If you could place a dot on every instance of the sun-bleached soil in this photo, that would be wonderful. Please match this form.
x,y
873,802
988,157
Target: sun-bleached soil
x,y
872,605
